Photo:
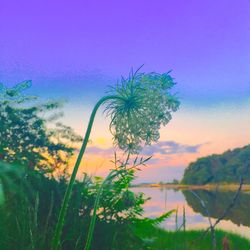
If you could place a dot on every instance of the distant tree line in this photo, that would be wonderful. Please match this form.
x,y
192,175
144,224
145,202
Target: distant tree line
x,y
228,167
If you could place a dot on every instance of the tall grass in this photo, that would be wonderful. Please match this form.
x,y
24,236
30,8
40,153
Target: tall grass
x,y
187,240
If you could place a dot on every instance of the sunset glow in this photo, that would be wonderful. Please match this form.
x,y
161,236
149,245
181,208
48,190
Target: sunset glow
x,y
72,54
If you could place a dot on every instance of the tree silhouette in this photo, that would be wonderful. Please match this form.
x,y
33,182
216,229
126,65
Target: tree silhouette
x,y
25,136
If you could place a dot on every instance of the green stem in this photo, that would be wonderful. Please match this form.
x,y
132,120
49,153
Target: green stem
x,y
93,219
110,176
65,204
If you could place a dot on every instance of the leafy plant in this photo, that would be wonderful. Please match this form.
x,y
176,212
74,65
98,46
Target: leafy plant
x,y
224,168
33,200
138,106
25,137
123,204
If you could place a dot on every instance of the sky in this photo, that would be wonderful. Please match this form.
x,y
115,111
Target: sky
x,y
73,49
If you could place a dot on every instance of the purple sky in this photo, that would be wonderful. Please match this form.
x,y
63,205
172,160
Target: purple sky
x,y
71,48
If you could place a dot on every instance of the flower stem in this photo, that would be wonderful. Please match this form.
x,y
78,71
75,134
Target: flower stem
x,y
111,176
65,204
96,206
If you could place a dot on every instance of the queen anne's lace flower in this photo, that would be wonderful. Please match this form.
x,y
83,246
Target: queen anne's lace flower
x,y
138,106
143,105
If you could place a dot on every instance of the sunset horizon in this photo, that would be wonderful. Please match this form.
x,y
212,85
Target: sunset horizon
x,y
77,57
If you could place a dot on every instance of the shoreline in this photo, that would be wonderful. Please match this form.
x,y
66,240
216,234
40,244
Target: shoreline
x,y
222,187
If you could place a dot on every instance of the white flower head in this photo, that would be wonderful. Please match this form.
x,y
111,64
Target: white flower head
x,y
144,103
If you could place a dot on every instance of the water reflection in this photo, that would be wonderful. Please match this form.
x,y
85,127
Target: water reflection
x,y
162,200
216,203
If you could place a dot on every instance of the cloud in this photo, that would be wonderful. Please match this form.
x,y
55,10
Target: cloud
x,y
170,148
162,147
97,150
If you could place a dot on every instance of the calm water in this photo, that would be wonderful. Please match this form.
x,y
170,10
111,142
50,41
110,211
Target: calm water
x,y
162,200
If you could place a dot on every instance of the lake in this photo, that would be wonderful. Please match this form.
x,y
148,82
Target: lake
x,y
162,200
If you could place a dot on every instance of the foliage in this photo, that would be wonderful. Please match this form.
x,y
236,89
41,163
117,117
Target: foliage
x,y
184,240
228,167
26,213
128,205
29,214
25,136
32,203
175,181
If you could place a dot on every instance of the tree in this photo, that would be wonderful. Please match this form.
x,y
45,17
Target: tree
x,y
25,137
175,181
228,167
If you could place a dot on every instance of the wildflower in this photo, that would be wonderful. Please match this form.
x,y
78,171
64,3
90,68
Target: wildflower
x,y
145,104
138,106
